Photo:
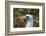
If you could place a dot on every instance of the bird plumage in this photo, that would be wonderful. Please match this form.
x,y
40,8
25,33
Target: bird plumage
x,y
29,21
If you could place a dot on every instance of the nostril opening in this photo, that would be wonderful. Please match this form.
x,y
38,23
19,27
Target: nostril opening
x,y
24,19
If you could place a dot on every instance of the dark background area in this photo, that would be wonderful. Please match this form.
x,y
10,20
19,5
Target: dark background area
x,y
23,11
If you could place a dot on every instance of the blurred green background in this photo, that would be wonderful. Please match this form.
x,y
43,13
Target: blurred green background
x,y
23,11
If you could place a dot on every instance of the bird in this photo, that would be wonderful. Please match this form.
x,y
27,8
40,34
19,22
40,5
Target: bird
x,y
29,20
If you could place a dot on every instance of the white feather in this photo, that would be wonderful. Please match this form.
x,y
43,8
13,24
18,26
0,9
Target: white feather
x,y
29,21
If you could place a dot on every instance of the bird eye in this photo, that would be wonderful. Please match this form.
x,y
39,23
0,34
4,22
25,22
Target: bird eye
x,y
27,17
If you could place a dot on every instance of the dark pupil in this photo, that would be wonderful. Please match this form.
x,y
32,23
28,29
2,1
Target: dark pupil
x,y
27,17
